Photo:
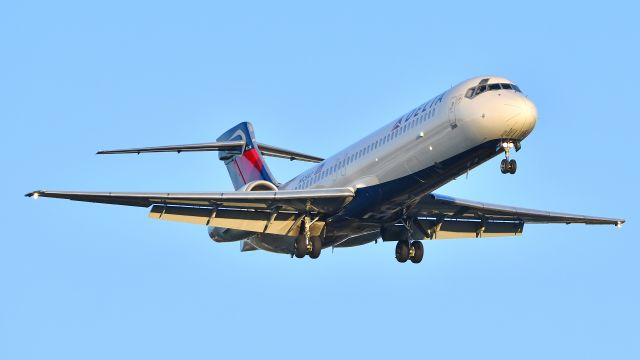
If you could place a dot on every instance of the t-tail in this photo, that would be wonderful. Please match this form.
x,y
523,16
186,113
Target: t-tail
x,y
239,150
245,165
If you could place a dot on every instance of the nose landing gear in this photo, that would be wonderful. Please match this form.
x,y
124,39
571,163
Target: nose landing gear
x,y
509,166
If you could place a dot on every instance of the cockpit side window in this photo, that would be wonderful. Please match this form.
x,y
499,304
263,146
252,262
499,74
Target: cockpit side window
x,y
516,88
469,93
481,89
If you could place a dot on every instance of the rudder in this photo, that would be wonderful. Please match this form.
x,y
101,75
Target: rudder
x,y
247,165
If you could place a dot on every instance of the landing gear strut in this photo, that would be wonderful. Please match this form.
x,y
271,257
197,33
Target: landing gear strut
x,y
509,166
406,251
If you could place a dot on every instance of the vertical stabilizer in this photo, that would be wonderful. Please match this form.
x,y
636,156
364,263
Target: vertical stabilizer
x,y
248,164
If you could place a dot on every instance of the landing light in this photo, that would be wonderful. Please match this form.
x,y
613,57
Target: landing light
x,y
36,196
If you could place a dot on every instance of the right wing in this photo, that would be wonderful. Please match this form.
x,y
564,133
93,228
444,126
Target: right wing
x,y
274,212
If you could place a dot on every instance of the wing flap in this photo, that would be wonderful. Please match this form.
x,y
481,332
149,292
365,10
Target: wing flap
x,y
256,221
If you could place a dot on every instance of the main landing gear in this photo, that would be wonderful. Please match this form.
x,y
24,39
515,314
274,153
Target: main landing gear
x,y
311,247
306,244
406,251
509,166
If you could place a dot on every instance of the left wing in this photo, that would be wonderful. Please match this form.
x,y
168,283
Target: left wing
x,y
442,217
447,206
274,212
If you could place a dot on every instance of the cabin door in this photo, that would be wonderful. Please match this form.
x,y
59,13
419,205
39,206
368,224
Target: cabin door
x,y
455,100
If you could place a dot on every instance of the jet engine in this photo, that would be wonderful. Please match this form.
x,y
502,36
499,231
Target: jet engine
x,y
219,234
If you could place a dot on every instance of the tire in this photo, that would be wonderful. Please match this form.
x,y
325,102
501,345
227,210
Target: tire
x,y
402,251
316,247
418,252
300,247
513,166
504,166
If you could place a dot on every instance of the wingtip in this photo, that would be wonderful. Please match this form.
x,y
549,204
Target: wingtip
x,y
33,194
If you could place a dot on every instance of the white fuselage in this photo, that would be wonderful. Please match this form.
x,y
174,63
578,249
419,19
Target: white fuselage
x,y
413,155
438,129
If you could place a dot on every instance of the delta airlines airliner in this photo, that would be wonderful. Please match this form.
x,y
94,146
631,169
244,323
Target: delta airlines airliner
x,y
381,187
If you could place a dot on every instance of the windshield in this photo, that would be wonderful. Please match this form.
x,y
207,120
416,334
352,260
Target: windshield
x,y
477,90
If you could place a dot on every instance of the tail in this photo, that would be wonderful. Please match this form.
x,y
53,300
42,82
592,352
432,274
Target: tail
x,y
246,165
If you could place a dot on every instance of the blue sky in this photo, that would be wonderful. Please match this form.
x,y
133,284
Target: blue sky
x,y
96,281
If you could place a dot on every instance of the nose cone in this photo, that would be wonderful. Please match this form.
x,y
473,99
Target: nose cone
x,y
497,115
518,116
529,114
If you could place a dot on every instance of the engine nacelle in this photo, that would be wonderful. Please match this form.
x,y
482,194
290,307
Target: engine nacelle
x,y
220,234
259,185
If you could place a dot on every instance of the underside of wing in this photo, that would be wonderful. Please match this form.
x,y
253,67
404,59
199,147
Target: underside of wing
x,y
274,212
443,217
436,205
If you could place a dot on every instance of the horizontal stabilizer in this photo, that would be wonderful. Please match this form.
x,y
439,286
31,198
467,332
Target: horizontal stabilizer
x,y
231,146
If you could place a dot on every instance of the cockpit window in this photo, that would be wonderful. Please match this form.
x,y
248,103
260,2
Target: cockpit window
x,y
480,88
469,93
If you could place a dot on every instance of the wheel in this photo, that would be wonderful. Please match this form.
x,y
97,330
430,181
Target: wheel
x,y
513,166
316,247
418,251
504,166
300,247
402,251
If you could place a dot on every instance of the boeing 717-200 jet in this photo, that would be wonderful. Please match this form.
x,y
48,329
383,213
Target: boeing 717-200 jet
x,y
379,187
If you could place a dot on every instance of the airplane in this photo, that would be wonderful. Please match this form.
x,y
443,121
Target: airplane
x,y
382,186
